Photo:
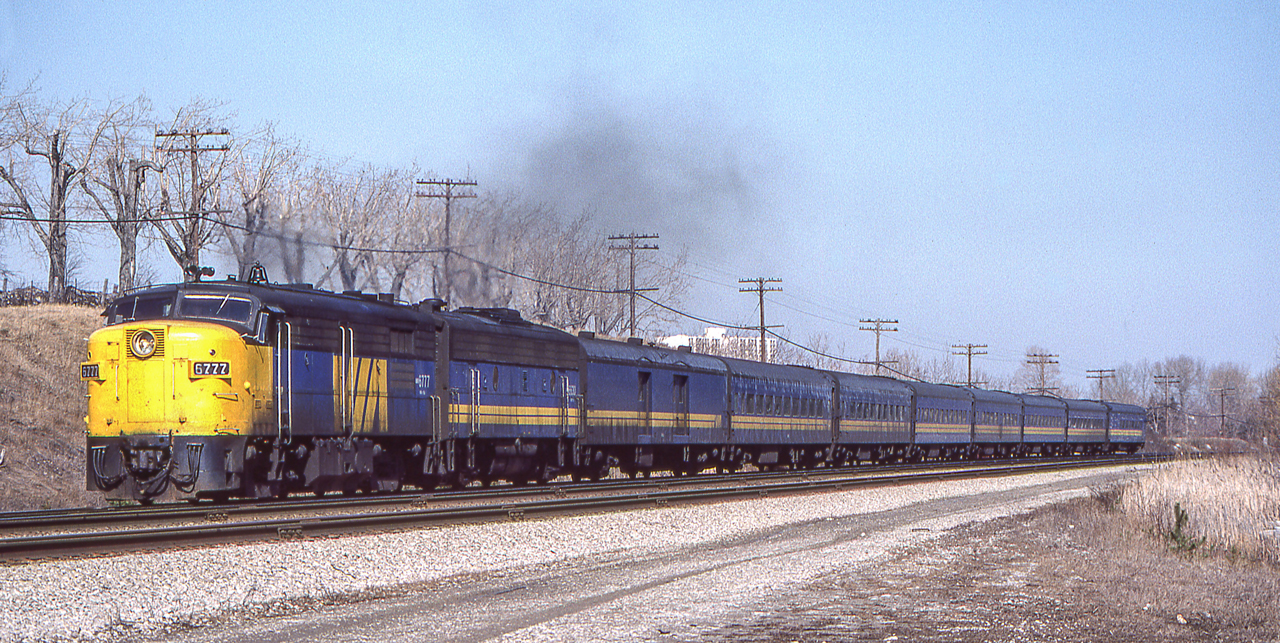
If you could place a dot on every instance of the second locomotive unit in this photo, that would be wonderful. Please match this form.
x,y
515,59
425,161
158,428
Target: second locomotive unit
x,y
238,389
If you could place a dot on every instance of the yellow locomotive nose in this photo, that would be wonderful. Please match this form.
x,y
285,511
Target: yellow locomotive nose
x,y
169,398
172,378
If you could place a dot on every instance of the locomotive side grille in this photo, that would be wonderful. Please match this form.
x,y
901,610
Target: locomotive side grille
x,y
157,332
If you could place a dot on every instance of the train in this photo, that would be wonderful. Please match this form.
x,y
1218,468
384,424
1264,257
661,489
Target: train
x,y
251,389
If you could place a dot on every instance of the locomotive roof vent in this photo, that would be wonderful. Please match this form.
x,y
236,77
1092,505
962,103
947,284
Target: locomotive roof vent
x,y
384,297
504,315
434,304
685,349
635,341
586,334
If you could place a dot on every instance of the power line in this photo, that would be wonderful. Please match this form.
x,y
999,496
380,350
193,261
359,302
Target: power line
x,y
841,359
1101,374
970,350
448,195
1222,407
676,311
880,326
760,289
631,249
1166,381
262,233
191,236
1042,360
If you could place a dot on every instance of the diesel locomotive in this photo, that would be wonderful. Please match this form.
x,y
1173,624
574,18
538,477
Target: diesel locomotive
x,y
232,388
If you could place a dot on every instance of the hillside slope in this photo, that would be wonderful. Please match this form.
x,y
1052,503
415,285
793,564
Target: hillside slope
x,y
42,406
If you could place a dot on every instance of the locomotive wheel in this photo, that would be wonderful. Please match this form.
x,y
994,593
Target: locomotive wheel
x,y
351,485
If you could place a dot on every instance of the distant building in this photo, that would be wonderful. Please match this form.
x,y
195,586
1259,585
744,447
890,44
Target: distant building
x,y
718,341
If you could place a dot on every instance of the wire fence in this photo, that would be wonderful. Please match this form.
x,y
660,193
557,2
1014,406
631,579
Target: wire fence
x,y
33,296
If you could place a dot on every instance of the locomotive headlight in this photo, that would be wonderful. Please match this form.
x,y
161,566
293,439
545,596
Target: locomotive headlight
x,y
144,344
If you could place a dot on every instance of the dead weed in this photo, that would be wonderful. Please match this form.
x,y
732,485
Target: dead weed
x,y
42,406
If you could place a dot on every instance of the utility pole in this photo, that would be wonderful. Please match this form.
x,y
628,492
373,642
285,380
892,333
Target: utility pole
x,y
761,289
1042,360
444,189
1222,408
192,231
631,248
1101,374
1166,381
970,351
880,326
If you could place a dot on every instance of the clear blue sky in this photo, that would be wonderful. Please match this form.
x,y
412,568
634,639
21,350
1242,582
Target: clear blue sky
x,y
1098,179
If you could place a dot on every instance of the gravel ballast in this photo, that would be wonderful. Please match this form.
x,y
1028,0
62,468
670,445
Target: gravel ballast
x,y
143,594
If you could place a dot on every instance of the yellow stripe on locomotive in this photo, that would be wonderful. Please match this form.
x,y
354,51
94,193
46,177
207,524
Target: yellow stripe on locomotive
x,y
364,406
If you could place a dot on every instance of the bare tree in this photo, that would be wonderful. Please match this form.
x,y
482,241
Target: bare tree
x,y
1028,377
1186,394
910,364
1225,408
119,172
294,201
190,186
1269,408
1134,384
10,124
65,136
572,266
408,224
260,163
573,280
349,209
495,231
822,343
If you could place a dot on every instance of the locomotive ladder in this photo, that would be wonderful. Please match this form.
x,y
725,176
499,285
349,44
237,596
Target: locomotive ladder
x,y
284,381
346,404
473,415
570,405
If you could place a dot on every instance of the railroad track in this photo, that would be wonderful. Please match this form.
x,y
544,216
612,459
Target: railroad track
x,y
118,529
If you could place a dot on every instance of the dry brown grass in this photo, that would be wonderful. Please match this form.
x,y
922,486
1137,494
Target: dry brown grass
x,y
1070,572
42,406
1230,504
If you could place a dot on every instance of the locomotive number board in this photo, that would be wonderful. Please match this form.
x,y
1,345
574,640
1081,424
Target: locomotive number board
x,y
89,372
210,369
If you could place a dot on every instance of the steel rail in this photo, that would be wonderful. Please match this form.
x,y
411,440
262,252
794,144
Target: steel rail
x,y
220,512
107,542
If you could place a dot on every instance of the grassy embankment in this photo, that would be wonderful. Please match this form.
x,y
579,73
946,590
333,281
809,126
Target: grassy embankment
x,y
42,406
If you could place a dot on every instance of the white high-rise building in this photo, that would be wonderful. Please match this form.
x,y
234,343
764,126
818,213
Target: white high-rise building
x,y
718,341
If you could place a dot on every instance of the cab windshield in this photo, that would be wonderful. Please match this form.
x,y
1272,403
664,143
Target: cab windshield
x,y
143,307
220,307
